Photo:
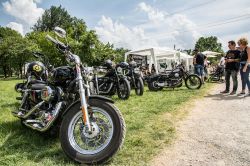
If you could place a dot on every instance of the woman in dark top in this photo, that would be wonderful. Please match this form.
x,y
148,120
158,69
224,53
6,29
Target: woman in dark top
x,y
244,64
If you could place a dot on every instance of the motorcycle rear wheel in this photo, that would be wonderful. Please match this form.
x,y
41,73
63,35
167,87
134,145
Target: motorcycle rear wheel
x,y
153,87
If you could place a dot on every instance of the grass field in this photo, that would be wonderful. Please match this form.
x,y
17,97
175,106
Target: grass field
x,y
150,121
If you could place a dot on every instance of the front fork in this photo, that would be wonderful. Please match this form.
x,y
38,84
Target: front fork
x,y
84,106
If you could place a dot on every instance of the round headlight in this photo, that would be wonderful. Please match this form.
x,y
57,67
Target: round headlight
x,y
119,69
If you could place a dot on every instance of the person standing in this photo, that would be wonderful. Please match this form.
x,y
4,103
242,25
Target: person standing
x,y
244,64
232,59
198,62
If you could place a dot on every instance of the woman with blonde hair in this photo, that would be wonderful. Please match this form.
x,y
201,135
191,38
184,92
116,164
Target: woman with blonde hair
x,y
244,64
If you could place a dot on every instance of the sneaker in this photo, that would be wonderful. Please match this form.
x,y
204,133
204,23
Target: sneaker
x,y
232,93
225,91
241,93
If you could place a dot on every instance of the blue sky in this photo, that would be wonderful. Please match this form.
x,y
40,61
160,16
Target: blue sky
x,y
135,24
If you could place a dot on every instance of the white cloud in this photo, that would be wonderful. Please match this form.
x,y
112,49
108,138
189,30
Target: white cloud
x,y
16,26
121,35
153,14
24,10
170,29
159,29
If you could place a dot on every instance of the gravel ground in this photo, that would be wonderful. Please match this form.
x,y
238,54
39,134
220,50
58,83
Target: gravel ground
x,y
215,133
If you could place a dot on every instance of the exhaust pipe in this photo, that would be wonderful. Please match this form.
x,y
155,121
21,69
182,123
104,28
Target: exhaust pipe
x,y
39,125
24,116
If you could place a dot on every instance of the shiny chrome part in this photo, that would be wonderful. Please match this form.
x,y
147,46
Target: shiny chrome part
x,y
47,94
60,91
119,70
137,70
39,125
91,143
24,116
60,32
83,98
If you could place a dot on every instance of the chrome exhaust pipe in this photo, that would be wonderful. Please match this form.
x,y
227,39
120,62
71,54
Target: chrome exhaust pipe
x,y
39,126
24,116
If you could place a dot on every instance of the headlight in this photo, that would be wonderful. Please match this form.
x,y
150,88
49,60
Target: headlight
x,y
119,69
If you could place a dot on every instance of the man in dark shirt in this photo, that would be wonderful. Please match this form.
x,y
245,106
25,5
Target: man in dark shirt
x,y
199,64
232,67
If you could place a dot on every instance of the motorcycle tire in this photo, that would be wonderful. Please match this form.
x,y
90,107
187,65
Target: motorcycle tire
x,y
110,144
123,93
153,87
194,80
139,89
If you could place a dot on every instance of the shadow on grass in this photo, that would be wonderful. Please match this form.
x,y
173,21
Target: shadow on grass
x,y
25,143
6,105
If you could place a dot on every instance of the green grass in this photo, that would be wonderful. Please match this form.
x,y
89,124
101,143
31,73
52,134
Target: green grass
x,y
150,121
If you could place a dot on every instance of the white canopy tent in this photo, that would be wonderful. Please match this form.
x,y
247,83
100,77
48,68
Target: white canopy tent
x,y
158,56
211,54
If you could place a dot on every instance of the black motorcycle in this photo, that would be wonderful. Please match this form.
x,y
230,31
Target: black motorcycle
x,y
112,82
174,79
91,128
134,76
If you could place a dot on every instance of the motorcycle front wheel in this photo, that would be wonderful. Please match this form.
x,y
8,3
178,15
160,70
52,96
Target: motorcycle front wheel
x,y
193,82
123,89
105,139
139,89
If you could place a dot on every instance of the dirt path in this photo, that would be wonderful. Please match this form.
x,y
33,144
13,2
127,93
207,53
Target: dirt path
x,y
215,133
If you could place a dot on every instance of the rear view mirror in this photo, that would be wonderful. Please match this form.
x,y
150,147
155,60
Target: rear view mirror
x,y
60,32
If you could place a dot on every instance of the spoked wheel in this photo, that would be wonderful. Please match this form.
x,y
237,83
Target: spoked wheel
x,y
139,86
123,89
108,132
193,82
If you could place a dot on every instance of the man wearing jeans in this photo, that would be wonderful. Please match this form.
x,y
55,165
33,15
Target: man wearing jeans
x,y
232,67
199,64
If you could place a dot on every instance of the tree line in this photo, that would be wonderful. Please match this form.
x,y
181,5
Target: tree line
x,y
16,50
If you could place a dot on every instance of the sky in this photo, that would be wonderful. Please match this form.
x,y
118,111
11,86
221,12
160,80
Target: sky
x,y
137,24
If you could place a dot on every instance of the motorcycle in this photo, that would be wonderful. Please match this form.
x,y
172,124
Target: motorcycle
x,y
91,128
174,79
112,82
134,77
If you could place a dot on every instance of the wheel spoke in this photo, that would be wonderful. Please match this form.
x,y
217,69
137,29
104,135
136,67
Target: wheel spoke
x,y
100,137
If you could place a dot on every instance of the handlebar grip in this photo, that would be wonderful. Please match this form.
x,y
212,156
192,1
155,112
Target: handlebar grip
x,y
51,39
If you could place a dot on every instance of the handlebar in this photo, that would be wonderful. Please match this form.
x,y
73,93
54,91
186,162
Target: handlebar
x,y
51,39
61,45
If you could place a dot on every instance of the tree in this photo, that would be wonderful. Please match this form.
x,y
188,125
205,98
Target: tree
x,y
55,16
14,51
120,52
8,48
209,43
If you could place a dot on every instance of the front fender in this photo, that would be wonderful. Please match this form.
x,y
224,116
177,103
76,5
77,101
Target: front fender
x,y
92,97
